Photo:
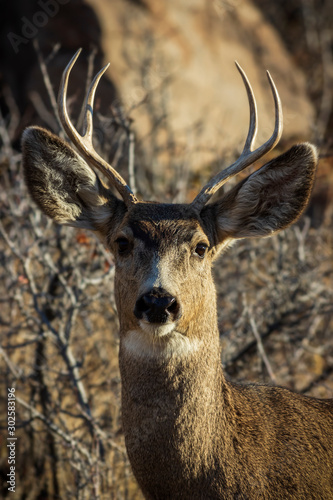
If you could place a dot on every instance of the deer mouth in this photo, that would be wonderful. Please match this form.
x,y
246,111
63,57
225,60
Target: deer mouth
x,y
157,330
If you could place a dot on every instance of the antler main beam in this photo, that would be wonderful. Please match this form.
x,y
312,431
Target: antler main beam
x,y
84,142
248,156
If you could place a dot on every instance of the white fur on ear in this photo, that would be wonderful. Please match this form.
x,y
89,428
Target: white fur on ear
x,y
62,184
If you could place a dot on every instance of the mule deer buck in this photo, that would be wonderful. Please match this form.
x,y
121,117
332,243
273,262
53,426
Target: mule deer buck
x,y
190,433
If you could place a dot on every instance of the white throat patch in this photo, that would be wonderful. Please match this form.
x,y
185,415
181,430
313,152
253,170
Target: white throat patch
x,y
158,343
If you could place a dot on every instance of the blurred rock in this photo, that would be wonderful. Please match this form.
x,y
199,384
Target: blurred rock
x,y
178,57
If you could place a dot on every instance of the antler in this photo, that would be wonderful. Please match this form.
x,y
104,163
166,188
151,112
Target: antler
x,y
247,157
84,142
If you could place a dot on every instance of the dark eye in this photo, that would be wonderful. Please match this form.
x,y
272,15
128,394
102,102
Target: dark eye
x,y
200,249
123,245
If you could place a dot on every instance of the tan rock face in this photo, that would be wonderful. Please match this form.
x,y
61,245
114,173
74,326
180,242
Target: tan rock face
x,y
176,59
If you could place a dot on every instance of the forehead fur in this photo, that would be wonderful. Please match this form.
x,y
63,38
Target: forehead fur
x,y
158,222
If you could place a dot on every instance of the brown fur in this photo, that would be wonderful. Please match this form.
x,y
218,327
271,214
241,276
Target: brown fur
x,y
190,433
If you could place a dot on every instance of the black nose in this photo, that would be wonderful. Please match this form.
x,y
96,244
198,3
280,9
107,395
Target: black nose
x,y
157,306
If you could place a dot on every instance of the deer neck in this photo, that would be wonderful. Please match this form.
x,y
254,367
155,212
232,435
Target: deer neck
x,y
172,402
179,361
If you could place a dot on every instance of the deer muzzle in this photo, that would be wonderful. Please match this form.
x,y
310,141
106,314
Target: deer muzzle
x,y
157,306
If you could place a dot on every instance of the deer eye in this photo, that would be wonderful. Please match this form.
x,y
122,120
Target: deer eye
x,y
200,249
123,245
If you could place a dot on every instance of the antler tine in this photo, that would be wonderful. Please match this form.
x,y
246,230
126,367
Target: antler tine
x,y
84,142
247,156
253,127
89,104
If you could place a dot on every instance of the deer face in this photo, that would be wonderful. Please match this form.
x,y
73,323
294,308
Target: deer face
x,y
163,257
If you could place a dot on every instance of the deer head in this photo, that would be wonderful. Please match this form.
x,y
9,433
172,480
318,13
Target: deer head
x,y
164,252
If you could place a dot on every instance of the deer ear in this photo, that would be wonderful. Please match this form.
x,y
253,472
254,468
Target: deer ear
x,y
270,199
63,185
